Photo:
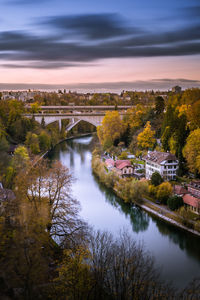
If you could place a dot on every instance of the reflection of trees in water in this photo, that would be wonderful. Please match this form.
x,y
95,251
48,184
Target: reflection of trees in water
x,y
71,158
139,219
184,239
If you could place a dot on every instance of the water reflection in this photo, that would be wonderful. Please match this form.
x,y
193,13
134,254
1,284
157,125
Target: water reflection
x,y
177,251
138,218
185,241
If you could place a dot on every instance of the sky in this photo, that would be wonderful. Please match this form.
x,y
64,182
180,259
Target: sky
x,y
115,44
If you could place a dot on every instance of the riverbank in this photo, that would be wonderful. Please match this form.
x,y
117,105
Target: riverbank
x,y
61,141
112,181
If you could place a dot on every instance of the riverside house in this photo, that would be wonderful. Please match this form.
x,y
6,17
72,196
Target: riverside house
x,y
191,196
192,199
122,167
164,163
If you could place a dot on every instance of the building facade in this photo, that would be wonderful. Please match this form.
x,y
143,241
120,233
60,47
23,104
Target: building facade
x,y
162,162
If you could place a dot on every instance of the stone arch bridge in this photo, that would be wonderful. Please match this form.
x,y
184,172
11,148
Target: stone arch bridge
x,y
91,114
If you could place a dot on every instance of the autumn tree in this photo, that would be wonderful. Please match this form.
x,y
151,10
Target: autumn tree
x,y
146,138
122,270
111,129
164,191
32,142
74,279
49,190
20,159
193,115
35,107
44,141
191,151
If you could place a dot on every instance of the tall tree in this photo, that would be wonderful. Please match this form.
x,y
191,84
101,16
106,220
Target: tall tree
x,y
159,105
111,129
146,138
191,151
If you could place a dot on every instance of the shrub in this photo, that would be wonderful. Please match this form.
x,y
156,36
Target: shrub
x,y
156,179
123,155
175,202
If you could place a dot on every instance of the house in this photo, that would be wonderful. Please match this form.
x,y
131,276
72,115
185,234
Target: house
x,y
179,190
191,196
194,188
164,163
123,168
192,203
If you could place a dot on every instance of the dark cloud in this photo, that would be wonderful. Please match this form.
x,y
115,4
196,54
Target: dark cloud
x,y
92,26
191,11
44,65
185,34
60,50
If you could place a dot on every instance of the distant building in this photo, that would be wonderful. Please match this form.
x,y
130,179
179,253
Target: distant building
x,y
164,163
176,89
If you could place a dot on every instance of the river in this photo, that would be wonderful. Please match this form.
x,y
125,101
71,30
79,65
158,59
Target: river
x,y
176,252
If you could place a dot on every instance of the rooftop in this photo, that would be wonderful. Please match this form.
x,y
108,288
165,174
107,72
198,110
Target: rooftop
x,y
191,200
159,157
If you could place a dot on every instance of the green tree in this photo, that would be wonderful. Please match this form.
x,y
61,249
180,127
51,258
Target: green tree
x,y
156,179
123,155
44,141
159,105
175,202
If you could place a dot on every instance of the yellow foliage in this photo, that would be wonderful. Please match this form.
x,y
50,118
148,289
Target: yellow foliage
x,y
191,151
146,138
111,129
134,116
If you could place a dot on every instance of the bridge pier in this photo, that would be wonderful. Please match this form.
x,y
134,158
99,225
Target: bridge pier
x,y
60,124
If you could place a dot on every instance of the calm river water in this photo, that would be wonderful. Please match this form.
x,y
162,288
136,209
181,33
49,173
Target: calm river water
x,y
176,252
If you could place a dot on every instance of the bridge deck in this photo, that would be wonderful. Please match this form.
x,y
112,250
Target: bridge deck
x,y
87,107
68,114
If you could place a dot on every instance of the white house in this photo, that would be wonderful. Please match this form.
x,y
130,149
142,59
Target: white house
x,y
164,163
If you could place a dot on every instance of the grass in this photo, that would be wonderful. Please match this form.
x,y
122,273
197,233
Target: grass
x,y
137,161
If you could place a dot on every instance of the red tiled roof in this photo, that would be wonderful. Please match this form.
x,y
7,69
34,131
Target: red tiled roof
x,y
179,190
120,164
110,162
191,200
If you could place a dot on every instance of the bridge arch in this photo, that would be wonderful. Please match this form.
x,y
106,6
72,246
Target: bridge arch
x,y
94,120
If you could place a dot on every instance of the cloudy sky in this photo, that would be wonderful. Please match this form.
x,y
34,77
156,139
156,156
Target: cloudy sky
x,y
99,44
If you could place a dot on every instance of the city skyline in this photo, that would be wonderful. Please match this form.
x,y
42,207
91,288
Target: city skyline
x,y
92,45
